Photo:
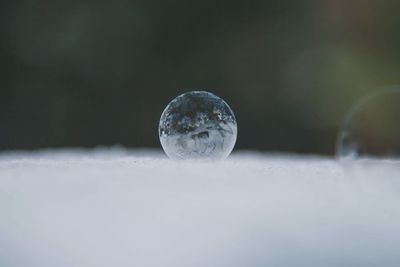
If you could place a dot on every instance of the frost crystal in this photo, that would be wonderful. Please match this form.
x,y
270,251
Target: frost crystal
x,y
197,125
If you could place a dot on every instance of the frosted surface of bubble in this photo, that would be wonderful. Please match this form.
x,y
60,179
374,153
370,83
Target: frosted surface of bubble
x,y
198,125
371,130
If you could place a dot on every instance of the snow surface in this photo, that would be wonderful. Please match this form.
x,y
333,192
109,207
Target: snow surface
x,y
116,207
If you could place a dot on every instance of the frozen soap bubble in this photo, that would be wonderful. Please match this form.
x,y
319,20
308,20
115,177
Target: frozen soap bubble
x,y
198,125
371,130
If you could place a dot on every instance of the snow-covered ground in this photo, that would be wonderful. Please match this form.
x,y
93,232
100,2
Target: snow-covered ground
x,y
115,207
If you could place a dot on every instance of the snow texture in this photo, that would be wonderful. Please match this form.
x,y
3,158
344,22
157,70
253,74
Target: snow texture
x,y
116,207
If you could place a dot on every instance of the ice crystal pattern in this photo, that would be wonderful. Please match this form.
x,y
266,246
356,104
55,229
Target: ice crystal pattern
x,y
198,125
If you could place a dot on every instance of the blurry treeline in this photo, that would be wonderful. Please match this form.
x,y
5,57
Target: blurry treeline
x,y
88,73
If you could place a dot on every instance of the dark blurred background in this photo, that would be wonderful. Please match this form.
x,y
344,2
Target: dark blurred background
x,y
88,73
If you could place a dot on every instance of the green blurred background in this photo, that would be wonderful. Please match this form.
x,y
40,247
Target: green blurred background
x,y
88,73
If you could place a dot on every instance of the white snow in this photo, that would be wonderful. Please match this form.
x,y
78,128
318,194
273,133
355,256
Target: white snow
x,y
116,207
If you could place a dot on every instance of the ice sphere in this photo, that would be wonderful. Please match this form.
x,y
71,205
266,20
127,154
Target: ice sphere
x,y
371,130
198,125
